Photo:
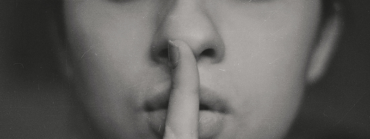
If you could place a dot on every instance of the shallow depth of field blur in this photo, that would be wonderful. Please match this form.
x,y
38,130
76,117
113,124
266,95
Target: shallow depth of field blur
x,y
35,102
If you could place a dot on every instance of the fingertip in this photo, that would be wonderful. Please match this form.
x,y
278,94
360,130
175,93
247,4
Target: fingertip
x,y
173,54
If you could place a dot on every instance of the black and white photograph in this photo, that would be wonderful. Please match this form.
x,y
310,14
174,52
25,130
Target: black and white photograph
x,y
184,69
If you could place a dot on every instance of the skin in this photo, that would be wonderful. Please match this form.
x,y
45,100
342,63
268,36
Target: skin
x,y
183,107
250,56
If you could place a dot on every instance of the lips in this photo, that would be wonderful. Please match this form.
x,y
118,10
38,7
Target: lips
x,y
212,111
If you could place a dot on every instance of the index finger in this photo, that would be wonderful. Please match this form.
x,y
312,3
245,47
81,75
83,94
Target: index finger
x,y
183,108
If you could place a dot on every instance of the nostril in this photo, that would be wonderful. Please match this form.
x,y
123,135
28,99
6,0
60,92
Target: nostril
x,y
208,53
203,107
163,54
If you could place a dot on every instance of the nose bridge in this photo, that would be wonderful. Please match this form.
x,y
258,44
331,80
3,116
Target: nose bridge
x,y
187,21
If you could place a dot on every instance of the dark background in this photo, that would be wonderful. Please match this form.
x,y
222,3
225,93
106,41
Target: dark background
x,y
35,102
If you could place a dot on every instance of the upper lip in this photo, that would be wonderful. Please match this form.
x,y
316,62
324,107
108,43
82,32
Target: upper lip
x,y
209,100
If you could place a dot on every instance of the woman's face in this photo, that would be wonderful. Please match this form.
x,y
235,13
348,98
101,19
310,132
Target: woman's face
x,y
251,58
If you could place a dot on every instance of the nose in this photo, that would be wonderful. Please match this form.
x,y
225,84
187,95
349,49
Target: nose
x,y
188,21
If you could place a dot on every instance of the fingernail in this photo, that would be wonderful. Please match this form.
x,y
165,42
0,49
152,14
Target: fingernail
x,y
173,54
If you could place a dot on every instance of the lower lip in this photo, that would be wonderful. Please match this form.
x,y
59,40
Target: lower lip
x,y
210,122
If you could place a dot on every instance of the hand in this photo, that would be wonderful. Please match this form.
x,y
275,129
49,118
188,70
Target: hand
x,y
183,108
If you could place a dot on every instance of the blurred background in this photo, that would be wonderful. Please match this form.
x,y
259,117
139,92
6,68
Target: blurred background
x,y
35,102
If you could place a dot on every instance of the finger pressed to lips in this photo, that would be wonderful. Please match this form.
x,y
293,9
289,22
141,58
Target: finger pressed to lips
x,y
183,109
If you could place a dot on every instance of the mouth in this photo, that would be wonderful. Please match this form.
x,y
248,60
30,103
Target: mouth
x,y
212,112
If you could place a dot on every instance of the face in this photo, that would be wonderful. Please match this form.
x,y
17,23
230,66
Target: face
x,y
251,58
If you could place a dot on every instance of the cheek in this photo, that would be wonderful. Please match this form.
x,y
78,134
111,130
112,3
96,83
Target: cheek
x,y
266,87
111,64
266,62
268,52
